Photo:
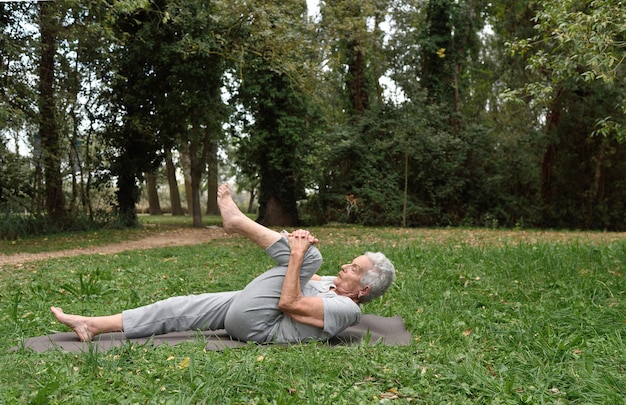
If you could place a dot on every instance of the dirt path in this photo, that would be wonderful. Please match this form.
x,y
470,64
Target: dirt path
x,y
174,237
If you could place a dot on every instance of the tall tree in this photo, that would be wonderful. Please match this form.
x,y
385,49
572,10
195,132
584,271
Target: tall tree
x,y
134,90
276,142
577,55
48,129
194,109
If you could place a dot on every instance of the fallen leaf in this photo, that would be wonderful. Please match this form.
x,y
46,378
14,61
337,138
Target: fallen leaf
x,y
467,332
388,395
184,363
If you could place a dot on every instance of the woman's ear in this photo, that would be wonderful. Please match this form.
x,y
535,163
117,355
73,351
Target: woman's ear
x,y
364,291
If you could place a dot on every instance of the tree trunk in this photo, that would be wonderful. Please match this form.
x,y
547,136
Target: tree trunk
x,y
549,157
197,167
196,210
40,203
185,162
50,144
212,179
77,183
170,169
153,194
198,154
127,193
251,201
86,183
277,198
436,71
356,84
596,187
275,214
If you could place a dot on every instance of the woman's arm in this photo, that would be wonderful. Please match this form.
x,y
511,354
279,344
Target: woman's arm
x,y
307,310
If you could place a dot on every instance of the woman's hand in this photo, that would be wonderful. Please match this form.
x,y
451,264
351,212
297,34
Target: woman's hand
x,y
301,240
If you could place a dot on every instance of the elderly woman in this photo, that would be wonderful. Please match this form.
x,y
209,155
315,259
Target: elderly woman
x,y
288,303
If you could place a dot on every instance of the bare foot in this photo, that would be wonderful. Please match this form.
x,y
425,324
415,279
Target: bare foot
x,y
229,210
80,324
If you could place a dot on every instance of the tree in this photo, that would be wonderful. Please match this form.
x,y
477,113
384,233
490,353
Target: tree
x,y
18,99
15,181
170,95
276,144
212,177
272,89
134,93
48,129
58,48
577,50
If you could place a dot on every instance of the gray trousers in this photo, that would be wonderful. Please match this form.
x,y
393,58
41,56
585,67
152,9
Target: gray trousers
x,y
250,314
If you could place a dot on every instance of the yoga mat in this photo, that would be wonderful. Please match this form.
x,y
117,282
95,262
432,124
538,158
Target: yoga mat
x,y
372,329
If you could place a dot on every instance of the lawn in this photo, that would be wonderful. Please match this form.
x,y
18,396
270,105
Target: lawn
x,y
502,317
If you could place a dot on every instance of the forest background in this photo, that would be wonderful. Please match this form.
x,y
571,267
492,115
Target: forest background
x,y
377,112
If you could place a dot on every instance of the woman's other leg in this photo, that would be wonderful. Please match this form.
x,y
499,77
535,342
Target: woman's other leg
x,y
86,327
191,312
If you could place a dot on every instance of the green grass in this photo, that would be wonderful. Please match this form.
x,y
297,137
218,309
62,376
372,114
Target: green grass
x,y
497,318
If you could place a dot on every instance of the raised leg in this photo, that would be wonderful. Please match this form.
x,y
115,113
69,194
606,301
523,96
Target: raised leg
x,y
234,221
86,327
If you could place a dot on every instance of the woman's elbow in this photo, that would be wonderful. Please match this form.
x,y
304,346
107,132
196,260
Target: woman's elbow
x,y
285,305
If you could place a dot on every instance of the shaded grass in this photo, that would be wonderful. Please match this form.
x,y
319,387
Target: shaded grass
x,y
496,318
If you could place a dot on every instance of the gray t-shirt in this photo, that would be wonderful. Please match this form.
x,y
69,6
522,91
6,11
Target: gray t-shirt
x,y
339,313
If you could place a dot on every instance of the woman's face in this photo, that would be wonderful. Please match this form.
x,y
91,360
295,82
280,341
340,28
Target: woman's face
x,y
348,281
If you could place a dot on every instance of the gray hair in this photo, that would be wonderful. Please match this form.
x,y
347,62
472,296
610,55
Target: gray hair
x,y
379,278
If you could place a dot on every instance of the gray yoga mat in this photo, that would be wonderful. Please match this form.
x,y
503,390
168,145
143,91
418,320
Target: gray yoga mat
x,y
372,329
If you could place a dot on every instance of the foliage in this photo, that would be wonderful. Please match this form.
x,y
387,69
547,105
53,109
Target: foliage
x,y
17,97
595,199
579,41
592,33
402,105
15,180
496,317
15,225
